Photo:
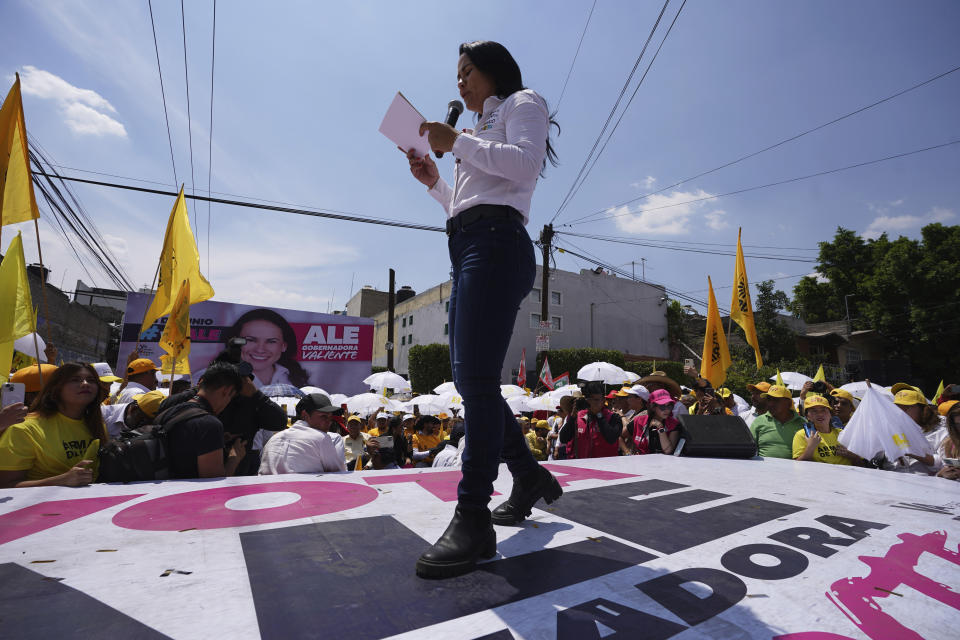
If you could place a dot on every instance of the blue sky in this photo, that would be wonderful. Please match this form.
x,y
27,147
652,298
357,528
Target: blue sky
x,y
300,91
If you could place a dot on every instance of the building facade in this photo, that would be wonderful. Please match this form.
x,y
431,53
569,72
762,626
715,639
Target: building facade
x,y
587,309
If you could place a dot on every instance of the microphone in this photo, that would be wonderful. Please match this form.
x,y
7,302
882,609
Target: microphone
x,y
454,109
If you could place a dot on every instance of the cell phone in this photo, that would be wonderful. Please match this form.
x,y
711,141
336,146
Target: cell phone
x,y
385,442
12,393
952,462
688,362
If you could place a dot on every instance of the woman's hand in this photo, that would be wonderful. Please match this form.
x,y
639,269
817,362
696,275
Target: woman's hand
x,y
79,475
440,135
423,169
12,414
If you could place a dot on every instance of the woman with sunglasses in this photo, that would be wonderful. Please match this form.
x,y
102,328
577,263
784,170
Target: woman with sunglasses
x,y
657,431
57,443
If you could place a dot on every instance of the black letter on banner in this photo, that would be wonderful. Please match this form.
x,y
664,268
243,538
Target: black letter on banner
x,y
856,529
811,540
739,560
655,522
34,607
580,622
668,591
318,573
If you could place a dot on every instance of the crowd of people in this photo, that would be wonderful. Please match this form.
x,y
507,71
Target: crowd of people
x,y
225,425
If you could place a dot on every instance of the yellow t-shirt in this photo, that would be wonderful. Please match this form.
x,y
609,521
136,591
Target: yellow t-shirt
x,y
46,447
423,442
825,450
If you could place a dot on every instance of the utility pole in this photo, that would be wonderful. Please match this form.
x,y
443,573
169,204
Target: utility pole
x,y
546,239
390,305
643,265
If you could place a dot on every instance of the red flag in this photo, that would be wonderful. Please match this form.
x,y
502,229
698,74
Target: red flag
x,y
561,380
545,376
522,373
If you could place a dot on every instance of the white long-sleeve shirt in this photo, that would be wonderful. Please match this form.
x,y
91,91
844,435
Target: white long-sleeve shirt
x,y
302,449
499,161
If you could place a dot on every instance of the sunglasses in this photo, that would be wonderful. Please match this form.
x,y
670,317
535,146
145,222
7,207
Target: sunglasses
x,y
666,407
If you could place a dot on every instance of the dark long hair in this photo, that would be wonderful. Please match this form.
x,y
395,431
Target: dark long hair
x,y
298,376
47,402
493,59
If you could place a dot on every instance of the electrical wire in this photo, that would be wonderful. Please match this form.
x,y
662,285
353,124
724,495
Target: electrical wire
x,y
163,94
577,53
613,111
186,77
780,143
596,158
213,58
770,184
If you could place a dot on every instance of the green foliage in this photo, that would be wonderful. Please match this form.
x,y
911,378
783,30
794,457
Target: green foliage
x,y
777,340
376,369
429,366
675,330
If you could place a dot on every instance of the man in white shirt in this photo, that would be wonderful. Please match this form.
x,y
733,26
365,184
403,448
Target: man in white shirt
x,y
450,455
141,378
307,446
123,417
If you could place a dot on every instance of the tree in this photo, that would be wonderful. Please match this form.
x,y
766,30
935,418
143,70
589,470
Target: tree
x,y
777,340
676,334
429,366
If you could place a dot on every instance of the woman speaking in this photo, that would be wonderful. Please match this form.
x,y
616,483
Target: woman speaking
x,y
496,170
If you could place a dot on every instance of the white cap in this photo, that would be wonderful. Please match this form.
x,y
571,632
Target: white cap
x,y
408,416
103,369
639,390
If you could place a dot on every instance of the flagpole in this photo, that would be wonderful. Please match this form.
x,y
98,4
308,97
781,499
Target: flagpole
x,y
36,347
43,283
173,367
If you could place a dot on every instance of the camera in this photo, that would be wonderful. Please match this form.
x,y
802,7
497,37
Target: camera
x,y
820,387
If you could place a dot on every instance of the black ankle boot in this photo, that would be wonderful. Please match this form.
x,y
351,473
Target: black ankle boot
x,y
526,491
468,537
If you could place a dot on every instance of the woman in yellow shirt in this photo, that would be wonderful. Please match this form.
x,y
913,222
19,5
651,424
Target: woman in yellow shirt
x,y
817,441
57,443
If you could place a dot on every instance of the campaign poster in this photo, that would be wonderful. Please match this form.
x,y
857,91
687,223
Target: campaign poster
x,y
283,346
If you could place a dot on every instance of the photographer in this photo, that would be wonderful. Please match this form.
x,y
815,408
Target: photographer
x,y
655,431
596,430
248,412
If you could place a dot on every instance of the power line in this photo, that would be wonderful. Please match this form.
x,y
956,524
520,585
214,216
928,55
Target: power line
x,y
163,94
596,158
577,53
780,143
772,184
613,110
186,77
254,205
213,58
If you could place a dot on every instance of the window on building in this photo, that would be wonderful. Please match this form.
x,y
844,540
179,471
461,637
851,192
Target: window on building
x,y
410,339
403,322
446,329
535,295
403,340
534,320
853,355
410,321
556,298
446,308
817,349
557,323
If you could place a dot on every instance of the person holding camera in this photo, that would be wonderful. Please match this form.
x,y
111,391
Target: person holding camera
x,y
595,430
656,430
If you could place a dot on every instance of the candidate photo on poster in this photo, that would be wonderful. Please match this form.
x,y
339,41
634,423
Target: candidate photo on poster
x,y
271,348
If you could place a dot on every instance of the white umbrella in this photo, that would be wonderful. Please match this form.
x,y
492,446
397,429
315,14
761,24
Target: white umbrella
x,y
631,376
289,403
519,404
444,388
602,371
367,403
742,405
427,403
793,380
546,402
308,390
510,390
387,380
337,399
452,400
26,345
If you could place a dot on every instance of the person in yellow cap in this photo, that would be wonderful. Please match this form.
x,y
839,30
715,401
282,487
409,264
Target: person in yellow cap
x,y
912,402
32,380
132,415
817,441
141,378
774,430
355,441
57,443
949,451
537,438
427,438
843,405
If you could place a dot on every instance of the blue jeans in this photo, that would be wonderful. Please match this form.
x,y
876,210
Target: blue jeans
x,y
493,271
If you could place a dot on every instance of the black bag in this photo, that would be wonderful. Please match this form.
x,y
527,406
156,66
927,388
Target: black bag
x,y
140,455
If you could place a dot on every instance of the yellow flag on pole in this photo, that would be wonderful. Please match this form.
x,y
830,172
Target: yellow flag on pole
x,y
17,201
716,356
741,308
175,339
16,308
820,377
780,382
179,261
936,396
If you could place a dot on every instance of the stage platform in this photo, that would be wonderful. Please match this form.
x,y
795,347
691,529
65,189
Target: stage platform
x,y
643,547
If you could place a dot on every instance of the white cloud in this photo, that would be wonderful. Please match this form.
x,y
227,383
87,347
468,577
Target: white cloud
x,y
819,277
906,222
646,184
82,109
663,214
716,220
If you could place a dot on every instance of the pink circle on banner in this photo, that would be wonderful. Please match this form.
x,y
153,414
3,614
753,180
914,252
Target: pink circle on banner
x,y
205,509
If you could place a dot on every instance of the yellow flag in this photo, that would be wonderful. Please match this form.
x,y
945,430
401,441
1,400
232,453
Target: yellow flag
x,y
741,309
179,261
17,201
175,339
779,379
359,465
936,396
716,356
16,309
820,377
